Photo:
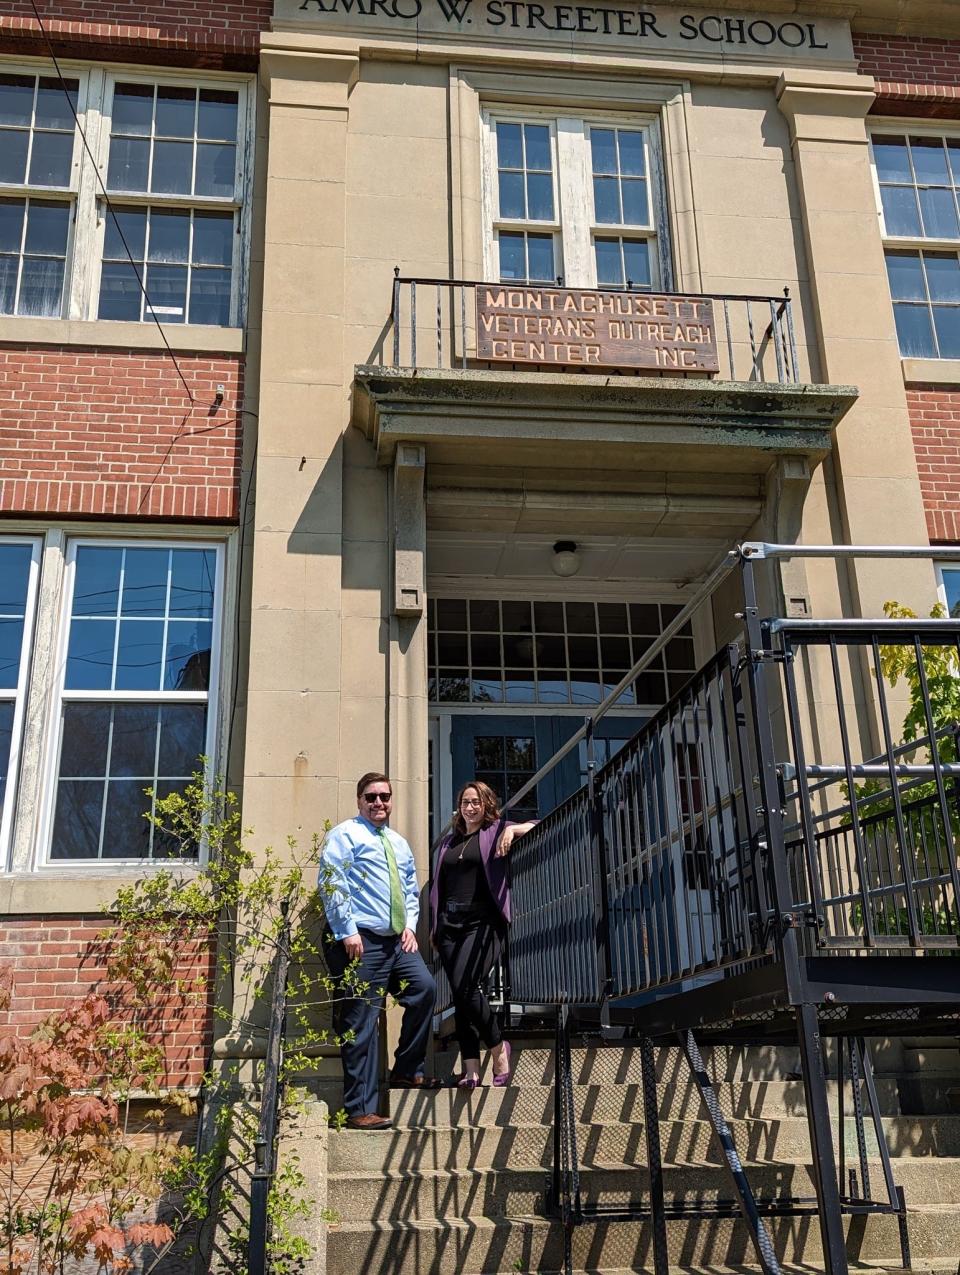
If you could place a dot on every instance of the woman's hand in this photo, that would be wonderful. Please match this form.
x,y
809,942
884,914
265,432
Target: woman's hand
x,y
510,834
505,841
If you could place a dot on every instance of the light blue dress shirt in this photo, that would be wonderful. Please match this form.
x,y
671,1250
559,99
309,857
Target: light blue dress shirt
x,y
355,880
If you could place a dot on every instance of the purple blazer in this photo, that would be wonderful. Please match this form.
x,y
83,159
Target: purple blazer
x,y
494,869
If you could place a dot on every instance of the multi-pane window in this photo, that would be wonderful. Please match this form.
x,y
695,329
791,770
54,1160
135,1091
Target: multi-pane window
x,y
621,198
925,287
483,651
37,190
178,144
135,701
18,576
165,235
183,258
525,194
917,179
574,199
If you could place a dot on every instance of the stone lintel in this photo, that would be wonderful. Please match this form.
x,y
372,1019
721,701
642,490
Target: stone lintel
x,y
595,421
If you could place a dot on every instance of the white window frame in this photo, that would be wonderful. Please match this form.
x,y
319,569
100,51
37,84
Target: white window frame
x,y
575,227
20,694
59,696
911,243
81,293
69,194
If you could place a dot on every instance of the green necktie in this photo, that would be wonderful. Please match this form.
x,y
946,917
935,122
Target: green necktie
x,y
398,909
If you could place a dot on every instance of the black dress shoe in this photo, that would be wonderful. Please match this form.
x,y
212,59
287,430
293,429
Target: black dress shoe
x,y
415,1082
370,1121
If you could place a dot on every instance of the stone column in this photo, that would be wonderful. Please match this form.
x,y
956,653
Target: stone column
x,y
878,494
293,722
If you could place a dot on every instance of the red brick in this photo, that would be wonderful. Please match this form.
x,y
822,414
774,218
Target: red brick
x,y
46,982
82,448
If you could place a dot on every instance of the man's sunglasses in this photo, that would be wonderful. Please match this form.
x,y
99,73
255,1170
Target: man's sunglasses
x,y
371,798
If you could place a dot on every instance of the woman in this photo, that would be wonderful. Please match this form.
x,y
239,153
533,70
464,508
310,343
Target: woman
x,y
470,908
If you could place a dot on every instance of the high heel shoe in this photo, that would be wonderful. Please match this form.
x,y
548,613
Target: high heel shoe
x,y
466,1082
503,1078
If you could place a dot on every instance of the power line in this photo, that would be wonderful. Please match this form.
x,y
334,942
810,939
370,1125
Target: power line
x,y
106,199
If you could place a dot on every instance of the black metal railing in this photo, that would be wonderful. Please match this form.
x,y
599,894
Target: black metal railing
x,y
265,1143
775,794
872,834
433,325
774,813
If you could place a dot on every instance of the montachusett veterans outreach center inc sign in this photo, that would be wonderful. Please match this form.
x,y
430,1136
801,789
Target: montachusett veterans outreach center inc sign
x,y
671,31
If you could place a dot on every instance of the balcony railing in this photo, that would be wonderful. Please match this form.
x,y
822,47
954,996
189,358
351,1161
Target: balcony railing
x,y
433,325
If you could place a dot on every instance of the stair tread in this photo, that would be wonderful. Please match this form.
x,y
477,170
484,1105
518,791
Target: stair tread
x,y
602,1166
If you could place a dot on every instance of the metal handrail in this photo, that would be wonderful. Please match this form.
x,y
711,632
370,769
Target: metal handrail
x,y
265,1143
776,330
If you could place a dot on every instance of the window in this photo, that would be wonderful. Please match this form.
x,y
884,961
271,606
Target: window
x,y
135,698
130,634
542,173
948,579
482,651
19,570
38,185
917,177
170,156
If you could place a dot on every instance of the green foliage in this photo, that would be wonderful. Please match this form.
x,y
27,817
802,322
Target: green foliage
x,y
939,670
246,907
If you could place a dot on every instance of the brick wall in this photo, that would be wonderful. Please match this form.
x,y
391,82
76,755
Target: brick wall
x,y
935,421
188,32
915,59
916,75
113,434
56,959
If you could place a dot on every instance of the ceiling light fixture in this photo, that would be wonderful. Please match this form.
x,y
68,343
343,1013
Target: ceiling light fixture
x,y
566,558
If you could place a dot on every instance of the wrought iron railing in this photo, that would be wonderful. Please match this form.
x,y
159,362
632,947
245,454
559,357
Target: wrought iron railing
x,y
673,863
433,325
265,1143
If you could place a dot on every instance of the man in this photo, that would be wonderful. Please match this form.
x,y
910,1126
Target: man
x,y
368,883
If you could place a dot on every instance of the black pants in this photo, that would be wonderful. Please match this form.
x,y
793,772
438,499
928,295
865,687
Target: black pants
x,y
468,954
383,965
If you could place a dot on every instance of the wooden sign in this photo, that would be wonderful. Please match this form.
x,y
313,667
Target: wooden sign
x,y
564,326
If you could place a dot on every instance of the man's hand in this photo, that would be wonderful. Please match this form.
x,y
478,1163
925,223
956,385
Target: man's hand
x,y
408,941
353,946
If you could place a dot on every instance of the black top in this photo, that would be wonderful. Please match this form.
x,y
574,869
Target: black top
x,y
463,881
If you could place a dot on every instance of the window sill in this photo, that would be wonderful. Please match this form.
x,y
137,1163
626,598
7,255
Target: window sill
x,y
54,891
112,336
931,371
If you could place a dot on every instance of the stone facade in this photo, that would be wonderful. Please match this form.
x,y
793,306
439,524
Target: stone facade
x,y
366,148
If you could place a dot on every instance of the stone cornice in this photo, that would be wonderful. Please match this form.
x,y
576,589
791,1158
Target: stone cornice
x,y
593,420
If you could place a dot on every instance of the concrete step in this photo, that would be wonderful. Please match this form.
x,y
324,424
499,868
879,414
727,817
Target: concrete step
x,y
422,1195
618,1064
469,1146
485,1245
526,1103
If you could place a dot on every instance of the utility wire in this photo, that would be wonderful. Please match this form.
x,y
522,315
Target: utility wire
x,y
106,199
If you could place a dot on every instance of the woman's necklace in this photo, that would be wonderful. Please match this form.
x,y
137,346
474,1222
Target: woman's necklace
x,y
463,845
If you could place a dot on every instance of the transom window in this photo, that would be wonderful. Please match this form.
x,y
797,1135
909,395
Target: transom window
x,y
19,569
135,702
917,178
483,651
543,173
171,156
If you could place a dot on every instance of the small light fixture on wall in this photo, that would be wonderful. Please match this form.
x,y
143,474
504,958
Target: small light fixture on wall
x,y
566,558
